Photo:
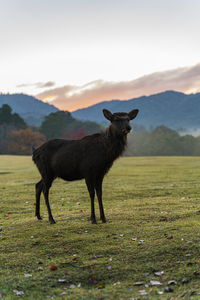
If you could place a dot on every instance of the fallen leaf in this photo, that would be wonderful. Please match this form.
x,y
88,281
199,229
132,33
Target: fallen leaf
x,y
184,280
138,283
62,280
63,293
155,283
117,283
163,219
109,268
9,213
27,275
101,286
140,242
182,295
53,268
72,286
159,273
92,280
168,290
172,282
196,273
2,295
18,293
194,293
142,292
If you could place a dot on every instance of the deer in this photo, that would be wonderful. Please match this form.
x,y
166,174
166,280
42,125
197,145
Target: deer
x,y
89,158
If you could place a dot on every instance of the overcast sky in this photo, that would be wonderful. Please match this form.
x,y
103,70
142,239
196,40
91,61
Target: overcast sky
x,y
78,52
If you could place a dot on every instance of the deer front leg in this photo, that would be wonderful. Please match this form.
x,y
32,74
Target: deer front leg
x,y
98,188
91,191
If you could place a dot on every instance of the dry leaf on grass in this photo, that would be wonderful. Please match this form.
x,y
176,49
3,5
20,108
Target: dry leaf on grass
x,y
155,283
159,273
53,268
18,293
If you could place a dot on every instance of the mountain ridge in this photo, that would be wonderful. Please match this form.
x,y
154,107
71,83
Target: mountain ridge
x,y
170,108
173,109
31,109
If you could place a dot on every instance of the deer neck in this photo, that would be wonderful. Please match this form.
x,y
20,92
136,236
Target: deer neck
x,y
116,142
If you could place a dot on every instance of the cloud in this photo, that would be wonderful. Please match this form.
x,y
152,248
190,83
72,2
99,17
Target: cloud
x,y
70,97
37,85
46,84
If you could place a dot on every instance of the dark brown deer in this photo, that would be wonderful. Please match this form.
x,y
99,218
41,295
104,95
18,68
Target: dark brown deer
x,y
89,158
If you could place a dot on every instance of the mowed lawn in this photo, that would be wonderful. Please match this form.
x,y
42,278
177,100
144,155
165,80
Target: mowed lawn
x,y
149,249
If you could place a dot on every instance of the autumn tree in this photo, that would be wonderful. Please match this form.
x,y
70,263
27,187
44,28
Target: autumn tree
x,y
8,122
21,141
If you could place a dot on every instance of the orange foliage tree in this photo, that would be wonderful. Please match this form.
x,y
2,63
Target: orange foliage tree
x,y
21,141
74,135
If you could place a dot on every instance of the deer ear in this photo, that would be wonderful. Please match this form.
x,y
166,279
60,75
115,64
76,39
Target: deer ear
x,y
108,115
133,113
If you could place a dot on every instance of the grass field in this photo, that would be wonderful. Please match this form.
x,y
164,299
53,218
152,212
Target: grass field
x,y
149,249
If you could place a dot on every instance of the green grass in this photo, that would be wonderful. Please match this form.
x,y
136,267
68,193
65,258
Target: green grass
x,y
154,199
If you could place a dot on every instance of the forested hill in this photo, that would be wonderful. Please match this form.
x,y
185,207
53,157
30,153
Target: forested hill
x,y
172,109
29,108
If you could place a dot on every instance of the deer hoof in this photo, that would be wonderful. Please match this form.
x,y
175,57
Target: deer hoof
x,y
52,221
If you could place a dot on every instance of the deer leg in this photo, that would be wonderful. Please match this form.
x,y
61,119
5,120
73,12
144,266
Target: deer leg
x,y
98,188
38,191
91,191
46,196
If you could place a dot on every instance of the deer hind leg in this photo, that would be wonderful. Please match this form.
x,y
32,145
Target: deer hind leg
x,y
47,179
46,189
91,191
38,191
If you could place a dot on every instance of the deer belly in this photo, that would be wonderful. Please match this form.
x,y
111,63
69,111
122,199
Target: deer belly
x,y
70,176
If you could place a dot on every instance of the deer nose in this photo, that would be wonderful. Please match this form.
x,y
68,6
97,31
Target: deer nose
x,y
128,128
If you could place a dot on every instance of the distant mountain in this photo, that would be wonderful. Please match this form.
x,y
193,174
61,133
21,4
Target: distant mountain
x,y
29,108
172,109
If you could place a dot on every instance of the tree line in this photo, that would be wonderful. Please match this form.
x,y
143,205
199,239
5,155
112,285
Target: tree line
x,y
162,141
16,137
